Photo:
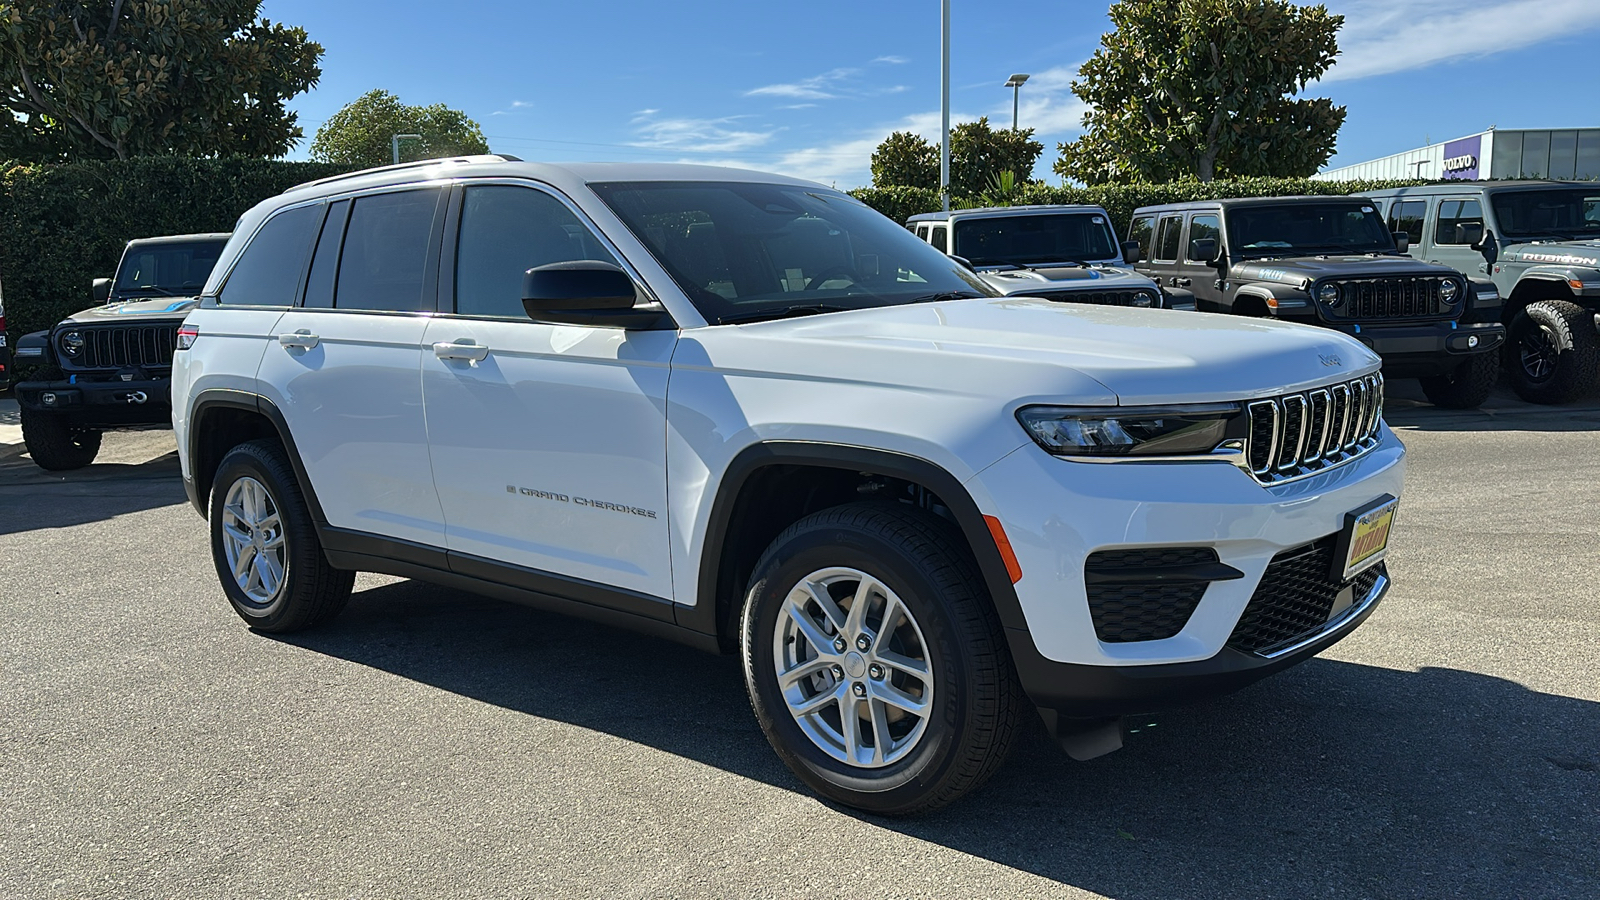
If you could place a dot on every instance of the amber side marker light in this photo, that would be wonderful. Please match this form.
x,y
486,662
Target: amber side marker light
x,y
1003,544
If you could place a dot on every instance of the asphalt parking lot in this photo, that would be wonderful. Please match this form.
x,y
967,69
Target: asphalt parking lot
x,y
433,744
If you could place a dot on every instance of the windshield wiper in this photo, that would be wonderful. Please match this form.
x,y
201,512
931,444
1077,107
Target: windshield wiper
x,y
946,295
782,312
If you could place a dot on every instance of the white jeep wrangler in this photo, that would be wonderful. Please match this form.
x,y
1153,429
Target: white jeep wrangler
x,y
749,413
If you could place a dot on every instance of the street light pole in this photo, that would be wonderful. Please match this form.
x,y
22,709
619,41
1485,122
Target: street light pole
x,y
394,143
1015,82
944,102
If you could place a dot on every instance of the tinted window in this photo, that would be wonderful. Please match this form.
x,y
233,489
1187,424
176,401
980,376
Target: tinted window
x,y
1454,218
744,251
940,239
1308,227
268,272
1171,234
1407,216
325,261
1031,240
505,231
1141,231
1202,228
1567,214
386,252
168,269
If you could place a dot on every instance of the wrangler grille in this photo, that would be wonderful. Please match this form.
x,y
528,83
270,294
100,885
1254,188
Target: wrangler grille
x,y
1098,298
1295,598
1305,432
128,345
1393,298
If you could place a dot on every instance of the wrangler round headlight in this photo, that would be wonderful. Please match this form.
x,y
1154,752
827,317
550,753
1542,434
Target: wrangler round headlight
x,y
72,343
1449,290
1190,430
1329,294
1144,300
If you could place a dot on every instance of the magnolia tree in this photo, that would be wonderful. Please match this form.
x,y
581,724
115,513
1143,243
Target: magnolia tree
x,y
123,78
361,133
1205,89
980,157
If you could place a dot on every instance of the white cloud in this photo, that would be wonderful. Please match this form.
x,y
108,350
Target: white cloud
x,y
1385,36
696,135
892,60
817,87
515,105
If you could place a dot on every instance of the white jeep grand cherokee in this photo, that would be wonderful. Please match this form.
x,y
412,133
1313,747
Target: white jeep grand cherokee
x,y
749,413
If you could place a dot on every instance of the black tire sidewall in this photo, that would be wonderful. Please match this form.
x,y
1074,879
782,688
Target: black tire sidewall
x,y
892,787
55,444
1571,331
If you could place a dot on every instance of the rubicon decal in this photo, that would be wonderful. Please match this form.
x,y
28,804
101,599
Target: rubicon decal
x,y
581,501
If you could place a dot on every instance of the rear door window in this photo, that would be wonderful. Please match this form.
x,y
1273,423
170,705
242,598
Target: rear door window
x,y
385,252
1407,216
1455,219
940,239
1168,239
269,270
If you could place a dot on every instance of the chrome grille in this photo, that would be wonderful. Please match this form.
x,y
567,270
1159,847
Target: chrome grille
x,y
1297,434
1393,298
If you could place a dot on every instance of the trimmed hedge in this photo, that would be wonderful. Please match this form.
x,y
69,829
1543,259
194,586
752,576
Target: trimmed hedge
x,y
1120,200
63,225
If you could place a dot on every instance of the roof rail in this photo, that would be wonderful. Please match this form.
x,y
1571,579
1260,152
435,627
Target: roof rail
x,y
483,158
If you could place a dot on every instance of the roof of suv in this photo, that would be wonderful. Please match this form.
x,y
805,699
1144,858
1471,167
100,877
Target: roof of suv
x,y
1231,202
1463,186
565,175
180,238
988,212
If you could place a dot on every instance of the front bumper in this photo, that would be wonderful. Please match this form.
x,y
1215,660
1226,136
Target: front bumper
x,y
1056,513
101,403
1426,349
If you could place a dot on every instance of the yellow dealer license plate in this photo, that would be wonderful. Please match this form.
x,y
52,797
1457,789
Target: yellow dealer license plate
x,y
1365,539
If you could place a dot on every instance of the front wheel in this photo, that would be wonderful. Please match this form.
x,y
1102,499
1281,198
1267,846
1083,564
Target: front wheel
x,y
1466,386
265,546
1553,354
875,661
56,445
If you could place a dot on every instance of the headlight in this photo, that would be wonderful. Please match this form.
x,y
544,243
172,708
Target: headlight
x,y
1448,290
1329,294
1144,300
1128,431
72,343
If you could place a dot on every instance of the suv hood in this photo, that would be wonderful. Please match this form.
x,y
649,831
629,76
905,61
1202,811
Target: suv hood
x,y
1034,350
1296,269
1064,278
1559,253
142,308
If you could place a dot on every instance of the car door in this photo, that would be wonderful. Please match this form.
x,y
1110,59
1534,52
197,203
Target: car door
x,y
548,441
345,365
1406,216
1196,274
1162,266
1457,222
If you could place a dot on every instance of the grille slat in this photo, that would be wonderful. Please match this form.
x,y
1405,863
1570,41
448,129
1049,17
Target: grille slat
x,y
1405,297
116,347
1097,298
1301,433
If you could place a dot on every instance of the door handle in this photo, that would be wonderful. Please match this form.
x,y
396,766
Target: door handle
x,y
463,348
1182,282
299,340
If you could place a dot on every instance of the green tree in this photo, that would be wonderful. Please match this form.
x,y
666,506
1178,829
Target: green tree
x,y
1204,89
360,133
979,156
124,78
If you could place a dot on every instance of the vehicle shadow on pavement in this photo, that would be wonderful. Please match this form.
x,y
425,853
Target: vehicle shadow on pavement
x,y
32,498
1330,779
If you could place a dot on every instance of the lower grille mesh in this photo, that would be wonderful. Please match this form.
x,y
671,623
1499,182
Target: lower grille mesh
x,y
1144,610
1296,595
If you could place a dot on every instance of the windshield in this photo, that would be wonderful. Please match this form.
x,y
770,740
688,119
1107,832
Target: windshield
x,y
1568,214
1307,228
172,270
1034,240
744,252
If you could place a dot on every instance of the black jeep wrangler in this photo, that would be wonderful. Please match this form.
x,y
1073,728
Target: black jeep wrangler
x,y
111,366
1330,261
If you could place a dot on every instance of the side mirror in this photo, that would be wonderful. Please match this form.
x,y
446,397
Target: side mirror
x,y
585,292
100,288
1203,249
964,263
1131,252
1487,245
1402,241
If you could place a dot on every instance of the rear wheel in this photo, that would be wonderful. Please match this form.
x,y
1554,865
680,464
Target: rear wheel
x,y
875,661
1553,355
265,546
1467,386
57,445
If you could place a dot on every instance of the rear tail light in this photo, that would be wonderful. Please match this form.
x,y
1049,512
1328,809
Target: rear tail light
x,y
187,335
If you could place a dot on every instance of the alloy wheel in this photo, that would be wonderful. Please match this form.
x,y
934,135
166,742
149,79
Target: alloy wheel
x,y
253,540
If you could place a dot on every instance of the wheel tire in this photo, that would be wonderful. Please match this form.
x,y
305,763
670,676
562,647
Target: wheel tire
x,y
969,724
1467,386
287,584
1552,353
56,445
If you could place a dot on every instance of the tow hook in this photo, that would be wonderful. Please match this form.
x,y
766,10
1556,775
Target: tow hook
x,y
138,397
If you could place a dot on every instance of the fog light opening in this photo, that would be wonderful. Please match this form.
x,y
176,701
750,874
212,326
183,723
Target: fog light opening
x,y
1472,341
48,399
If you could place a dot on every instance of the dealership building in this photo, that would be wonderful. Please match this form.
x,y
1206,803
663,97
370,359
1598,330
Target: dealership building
x,y
1556,153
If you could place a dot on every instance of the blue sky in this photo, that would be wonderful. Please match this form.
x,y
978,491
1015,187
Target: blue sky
x,y
810,88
